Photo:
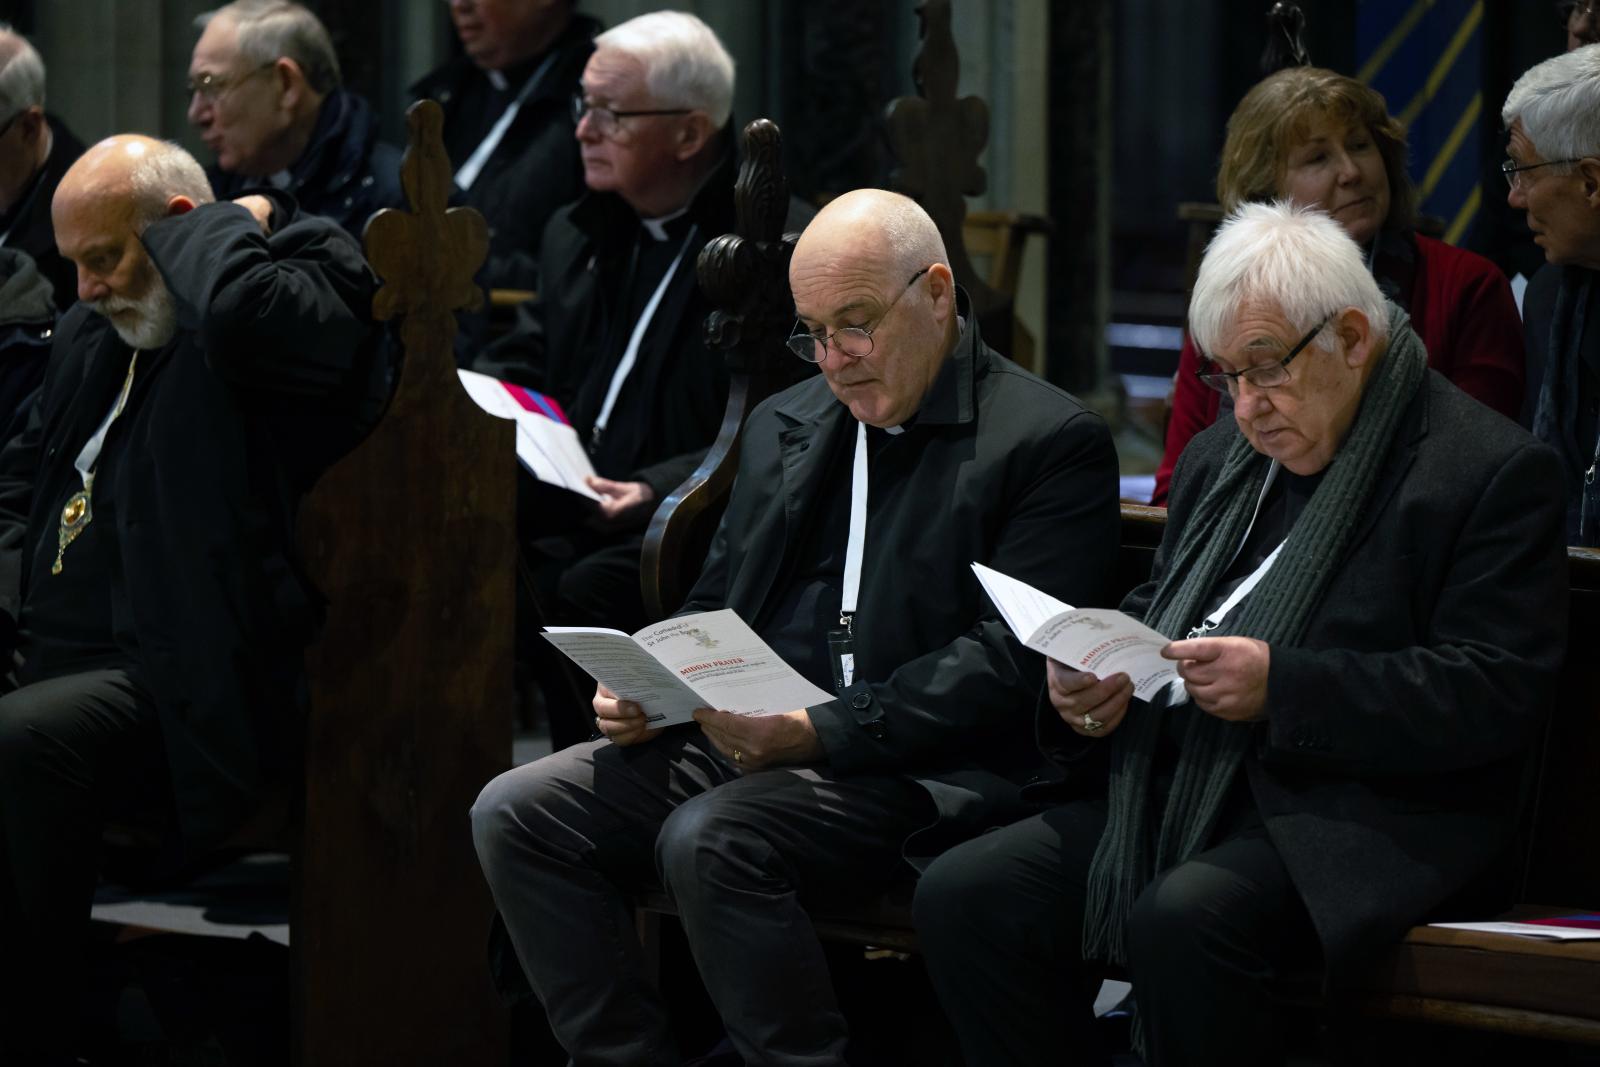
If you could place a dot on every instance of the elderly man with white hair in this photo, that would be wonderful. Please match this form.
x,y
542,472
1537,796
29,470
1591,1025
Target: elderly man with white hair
x,y
1553,117
35,151
1365,585
219,357
265,95
617,334
915,452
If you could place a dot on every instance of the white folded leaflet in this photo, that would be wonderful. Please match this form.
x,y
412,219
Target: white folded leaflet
x,y
1548,930
551,450
1102,641
708,660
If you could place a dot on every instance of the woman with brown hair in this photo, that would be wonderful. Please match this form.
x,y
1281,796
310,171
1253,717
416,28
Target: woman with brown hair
x,y
1324,140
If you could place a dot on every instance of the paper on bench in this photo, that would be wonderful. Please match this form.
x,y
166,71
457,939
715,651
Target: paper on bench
x,y
551,450
709,660
1102,641
1578,927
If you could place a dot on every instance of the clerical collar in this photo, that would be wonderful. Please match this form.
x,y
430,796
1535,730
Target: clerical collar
x,y
518,73
281,180
657,227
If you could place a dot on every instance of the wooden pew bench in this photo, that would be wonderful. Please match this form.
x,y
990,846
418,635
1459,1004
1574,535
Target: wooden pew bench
x,y
1490,982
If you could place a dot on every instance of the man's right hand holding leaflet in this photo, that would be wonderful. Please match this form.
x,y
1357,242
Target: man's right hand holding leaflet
x,y
622,721
1076,694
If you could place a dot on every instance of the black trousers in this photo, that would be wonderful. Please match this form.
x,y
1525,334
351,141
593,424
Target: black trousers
x,y
579,577
1000,920
564,842
74,751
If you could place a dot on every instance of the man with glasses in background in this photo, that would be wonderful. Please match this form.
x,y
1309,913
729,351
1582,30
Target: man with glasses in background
x,y
506,125
264,93
35,151
1552,115
862,497
616,336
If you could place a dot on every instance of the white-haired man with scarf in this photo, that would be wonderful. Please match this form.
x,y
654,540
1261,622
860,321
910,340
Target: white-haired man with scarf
x,y
1364,580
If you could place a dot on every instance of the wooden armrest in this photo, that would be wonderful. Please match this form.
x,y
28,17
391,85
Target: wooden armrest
x,y
510,298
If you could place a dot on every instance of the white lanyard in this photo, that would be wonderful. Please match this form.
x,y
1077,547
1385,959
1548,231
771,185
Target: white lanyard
x,y
632,353
1243,589
474,165
91,450
857,543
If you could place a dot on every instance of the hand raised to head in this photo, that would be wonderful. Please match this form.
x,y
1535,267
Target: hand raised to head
x,y
260,209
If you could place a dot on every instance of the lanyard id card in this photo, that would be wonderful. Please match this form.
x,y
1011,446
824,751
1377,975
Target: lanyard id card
x,y
841,641
842,656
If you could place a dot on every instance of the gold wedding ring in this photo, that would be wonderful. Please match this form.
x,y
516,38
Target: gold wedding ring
x,y
1091,725
738,757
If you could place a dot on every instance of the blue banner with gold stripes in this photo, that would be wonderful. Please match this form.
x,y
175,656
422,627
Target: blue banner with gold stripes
x,y
1425,57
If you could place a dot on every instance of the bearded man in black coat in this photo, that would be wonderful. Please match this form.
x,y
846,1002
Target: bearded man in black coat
x,y
220,356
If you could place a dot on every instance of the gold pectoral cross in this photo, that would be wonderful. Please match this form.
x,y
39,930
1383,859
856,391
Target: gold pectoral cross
x,y
78,511
75,515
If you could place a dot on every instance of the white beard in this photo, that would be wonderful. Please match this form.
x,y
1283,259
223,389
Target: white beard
x,y
153,323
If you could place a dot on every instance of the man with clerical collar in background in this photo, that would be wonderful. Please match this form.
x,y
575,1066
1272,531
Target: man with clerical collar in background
x,y
508,121
220,356
917,451
35,151
617,334
1554,173
264,94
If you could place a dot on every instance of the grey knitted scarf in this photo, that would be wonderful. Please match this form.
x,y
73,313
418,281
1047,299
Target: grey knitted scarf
x,y
1276,612
1556,419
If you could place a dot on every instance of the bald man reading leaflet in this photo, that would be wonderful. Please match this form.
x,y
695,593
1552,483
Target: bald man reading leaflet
x,y
219,357
863,495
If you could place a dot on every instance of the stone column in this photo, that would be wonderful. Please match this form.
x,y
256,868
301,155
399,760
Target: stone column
x,y
1080,197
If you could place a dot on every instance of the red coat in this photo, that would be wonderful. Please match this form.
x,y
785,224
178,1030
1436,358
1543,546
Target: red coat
x,y
1461,306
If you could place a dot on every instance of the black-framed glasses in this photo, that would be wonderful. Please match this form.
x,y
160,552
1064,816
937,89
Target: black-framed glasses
x,y
212,87
1513,170
605,120
1263,375
853,341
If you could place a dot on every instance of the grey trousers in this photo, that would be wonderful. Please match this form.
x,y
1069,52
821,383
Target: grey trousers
x,y
565,841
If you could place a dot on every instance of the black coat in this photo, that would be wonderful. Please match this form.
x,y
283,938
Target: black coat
x,y
272,374
1388,768
345,174
536,167
31,228
567,342
1012,473
27,324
